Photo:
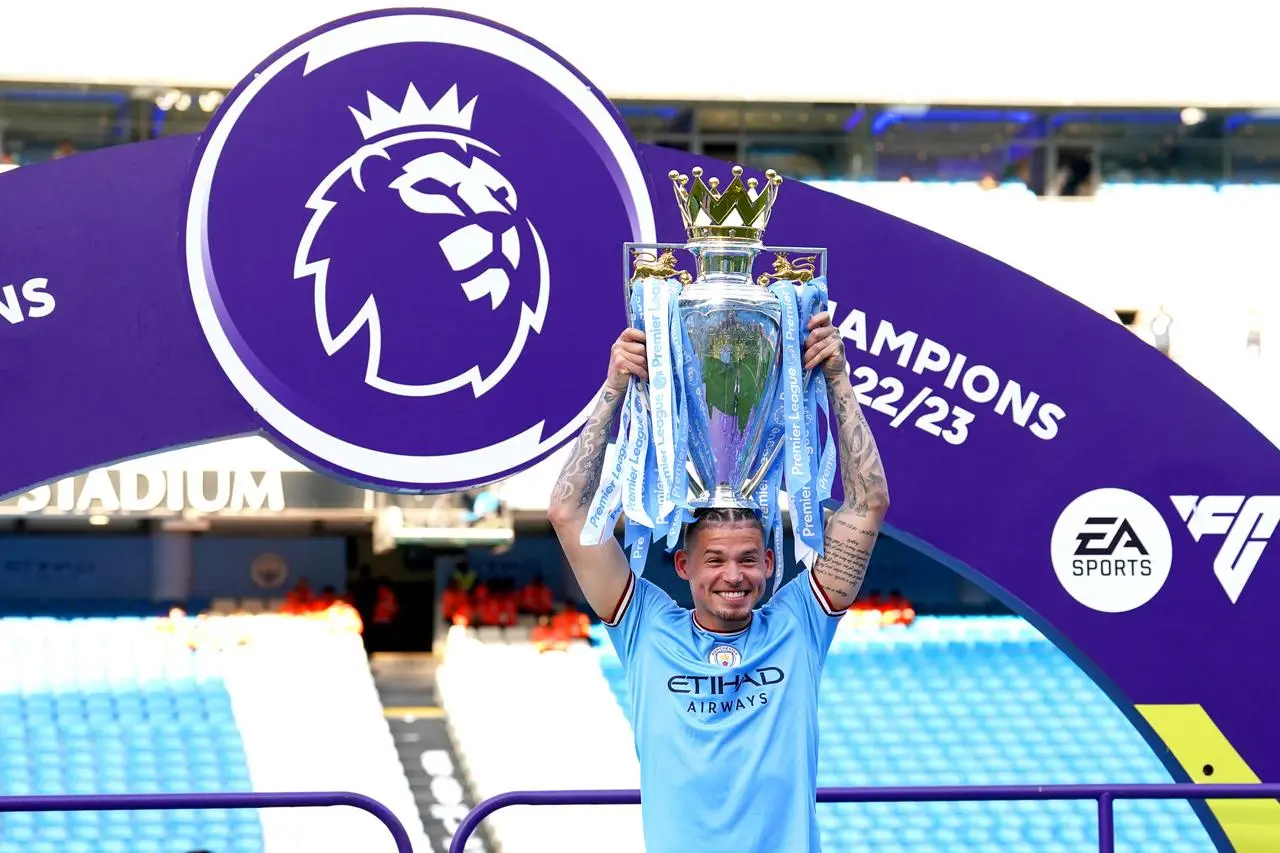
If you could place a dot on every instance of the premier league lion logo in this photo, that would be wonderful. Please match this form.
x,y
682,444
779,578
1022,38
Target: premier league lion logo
x,y
416,249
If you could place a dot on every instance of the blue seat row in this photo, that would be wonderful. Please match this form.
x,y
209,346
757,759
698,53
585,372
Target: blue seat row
x,y
98,727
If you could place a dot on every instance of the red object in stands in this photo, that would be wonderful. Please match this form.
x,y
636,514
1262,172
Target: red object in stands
x,y
536,599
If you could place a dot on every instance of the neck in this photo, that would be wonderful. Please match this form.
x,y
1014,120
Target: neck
x,y
708,621
725,261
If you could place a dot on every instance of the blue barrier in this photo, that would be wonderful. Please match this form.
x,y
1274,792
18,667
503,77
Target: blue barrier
x,y
1105,795
164,802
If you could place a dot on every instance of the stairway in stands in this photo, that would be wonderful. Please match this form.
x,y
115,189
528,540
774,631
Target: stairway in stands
x,y
406,688
529,721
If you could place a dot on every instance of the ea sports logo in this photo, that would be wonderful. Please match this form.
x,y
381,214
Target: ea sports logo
x,y
395,237
1111,550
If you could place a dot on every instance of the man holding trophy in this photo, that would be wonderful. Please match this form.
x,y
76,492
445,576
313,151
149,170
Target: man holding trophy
x,y
720,386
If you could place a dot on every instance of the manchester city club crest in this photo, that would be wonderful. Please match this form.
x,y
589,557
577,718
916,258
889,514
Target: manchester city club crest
x,y
726,656
401,221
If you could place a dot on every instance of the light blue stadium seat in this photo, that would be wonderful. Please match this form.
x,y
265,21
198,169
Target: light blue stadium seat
x,y
126,729
85,831
44,845
20,834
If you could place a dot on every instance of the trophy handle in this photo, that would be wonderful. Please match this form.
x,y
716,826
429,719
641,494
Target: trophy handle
x,y
694,479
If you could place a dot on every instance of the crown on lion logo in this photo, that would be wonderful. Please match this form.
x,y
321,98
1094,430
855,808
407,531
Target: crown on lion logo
x,y
413,112
741,212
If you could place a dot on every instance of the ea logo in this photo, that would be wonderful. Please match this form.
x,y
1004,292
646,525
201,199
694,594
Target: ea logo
x,y
1111,550
394,237
726,656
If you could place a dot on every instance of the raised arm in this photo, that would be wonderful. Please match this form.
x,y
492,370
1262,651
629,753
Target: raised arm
x,y
851,531
602,570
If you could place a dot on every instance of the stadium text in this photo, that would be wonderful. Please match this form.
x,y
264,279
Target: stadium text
x,y
50,568
145,491
978,383
1097,546
31,300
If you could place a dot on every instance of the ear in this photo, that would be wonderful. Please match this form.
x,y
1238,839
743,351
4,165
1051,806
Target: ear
x,y
768,562
682,564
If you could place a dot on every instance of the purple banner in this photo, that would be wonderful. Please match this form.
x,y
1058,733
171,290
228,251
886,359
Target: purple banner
x,y
396,251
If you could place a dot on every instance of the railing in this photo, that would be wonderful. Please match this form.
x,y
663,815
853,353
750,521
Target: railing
x,y
1105,795
164,802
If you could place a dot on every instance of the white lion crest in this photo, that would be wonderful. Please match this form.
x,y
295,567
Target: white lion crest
x,y
482,258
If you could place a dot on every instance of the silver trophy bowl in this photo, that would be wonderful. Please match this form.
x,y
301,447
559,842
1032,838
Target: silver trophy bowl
x,y
734,327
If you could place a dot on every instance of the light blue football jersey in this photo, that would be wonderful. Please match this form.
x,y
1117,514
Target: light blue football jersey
x,y
726,725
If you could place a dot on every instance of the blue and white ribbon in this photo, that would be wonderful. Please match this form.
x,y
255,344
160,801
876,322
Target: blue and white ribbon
x,y
827,462
659,334
633,434
639,473
645,471
606,505
800,397
769,491
680,470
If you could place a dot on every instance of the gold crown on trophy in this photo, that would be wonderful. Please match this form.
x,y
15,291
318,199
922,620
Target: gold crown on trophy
x,y
740,212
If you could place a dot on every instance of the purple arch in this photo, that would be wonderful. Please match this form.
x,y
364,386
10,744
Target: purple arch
x,y
1051,402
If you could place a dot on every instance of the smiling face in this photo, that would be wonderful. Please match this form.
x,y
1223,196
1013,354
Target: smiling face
x,y
726,564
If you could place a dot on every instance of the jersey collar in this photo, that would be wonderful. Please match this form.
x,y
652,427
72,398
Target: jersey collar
x,y
723,634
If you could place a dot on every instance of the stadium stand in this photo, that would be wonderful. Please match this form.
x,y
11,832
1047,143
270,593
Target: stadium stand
x,y
218,703
1197,250
948,701
981,701
108,705
106,700
306,706
528,721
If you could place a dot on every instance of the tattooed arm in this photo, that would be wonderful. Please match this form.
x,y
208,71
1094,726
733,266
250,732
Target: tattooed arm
x,y
851,531
602,570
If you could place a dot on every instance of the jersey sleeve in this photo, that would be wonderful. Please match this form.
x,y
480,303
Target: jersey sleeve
x,y
641,604
804,599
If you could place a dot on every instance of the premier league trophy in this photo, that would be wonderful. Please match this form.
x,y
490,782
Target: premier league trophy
x,y
734,328
727,414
